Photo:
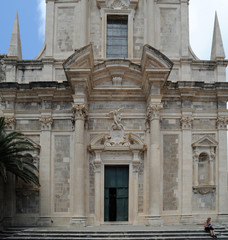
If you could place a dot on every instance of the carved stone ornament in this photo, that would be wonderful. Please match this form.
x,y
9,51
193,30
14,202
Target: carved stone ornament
x,y
204,189
222,122
118,4
186,122
10,123
117,81
46,122
80,111
117,136
153,111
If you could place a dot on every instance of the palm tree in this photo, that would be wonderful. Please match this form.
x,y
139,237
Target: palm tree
x,y
13,147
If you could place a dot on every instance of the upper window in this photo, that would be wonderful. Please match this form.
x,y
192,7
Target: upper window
x,y
117,36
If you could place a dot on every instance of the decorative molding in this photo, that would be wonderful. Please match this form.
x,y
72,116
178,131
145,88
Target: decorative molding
x,y
117,81
153,111
80,111
117,4
222,122
10,123
46,122
186,122
204,189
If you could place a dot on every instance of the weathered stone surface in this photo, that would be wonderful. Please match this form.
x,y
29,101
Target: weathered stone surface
x,y
203,202
61,174
170,172
65,29
27,202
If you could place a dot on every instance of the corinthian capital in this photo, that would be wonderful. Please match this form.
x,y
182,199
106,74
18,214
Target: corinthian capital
x,y
80,111
186,122
10,123
222,122
46,122
153,111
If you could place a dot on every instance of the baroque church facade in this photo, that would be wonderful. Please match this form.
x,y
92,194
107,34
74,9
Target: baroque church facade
x,y
130,125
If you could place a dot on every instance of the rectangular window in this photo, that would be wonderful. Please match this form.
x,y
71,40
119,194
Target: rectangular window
x,y
117,36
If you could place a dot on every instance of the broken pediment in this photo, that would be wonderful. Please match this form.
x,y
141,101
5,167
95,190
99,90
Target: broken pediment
x,y
152,58
81,59
117,72
205,141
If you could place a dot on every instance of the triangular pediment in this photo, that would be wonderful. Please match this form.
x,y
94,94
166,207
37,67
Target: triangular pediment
x,y
205,141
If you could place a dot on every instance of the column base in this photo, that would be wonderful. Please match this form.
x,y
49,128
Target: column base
x,y
154,221
78,222
44,222
187,219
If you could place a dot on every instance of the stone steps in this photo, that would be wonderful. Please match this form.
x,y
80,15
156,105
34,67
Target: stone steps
x,y
50,234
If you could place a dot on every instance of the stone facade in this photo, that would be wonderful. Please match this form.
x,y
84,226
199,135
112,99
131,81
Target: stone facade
x,y
161,112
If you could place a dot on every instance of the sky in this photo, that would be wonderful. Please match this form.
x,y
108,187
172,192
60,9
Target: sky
x,y
32,25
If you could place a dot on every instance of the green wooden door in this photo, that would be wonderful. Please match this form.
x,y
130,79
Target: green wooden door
x,y
116,193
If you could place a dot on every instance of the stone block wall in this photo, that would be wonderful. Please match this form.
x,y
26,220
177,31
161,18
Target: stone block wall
x,y
170,172
65,29
62,174
138,30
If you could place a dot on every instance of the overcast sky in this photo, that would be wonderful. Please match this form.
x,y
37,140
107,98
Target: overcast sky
x,y
32,25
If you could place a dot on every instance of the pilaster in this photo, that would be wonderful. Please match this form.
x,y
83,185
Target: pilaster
x,y
222,164
187,169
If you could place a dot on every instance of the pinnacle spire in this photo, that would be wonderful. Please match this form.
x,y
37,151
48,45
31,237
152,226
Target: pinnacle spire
x,y
15,42
217,51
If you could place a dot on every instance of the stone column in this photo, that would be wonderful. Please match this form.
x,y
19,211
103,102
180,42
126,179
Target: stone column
x,y
45,171
97,186
80,113
222,168
195,168
187,172
153,113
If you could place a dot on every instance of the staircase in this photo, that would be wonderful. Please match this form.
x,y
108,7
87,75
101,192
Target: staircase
x,y
99,234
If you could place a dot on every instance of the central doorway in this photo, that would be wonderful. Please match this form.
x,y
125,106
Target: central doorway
x,y
116,193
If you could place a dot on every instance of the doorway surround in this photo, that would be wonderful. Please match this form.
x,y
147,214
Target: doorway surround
x,y
116,149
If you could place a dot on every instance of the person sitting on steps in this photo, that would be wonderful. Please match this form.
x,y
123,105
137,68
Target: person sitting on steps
x,y
208,228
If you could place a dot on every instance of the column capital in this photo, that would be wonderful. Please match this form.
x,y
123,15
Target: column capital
x,y
10,122
186,122
80,111
222,122
195,156
46,122
153,111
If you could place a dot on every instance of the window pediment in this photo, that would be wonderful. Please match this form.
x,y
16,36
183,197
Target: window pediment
x,y
205,141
